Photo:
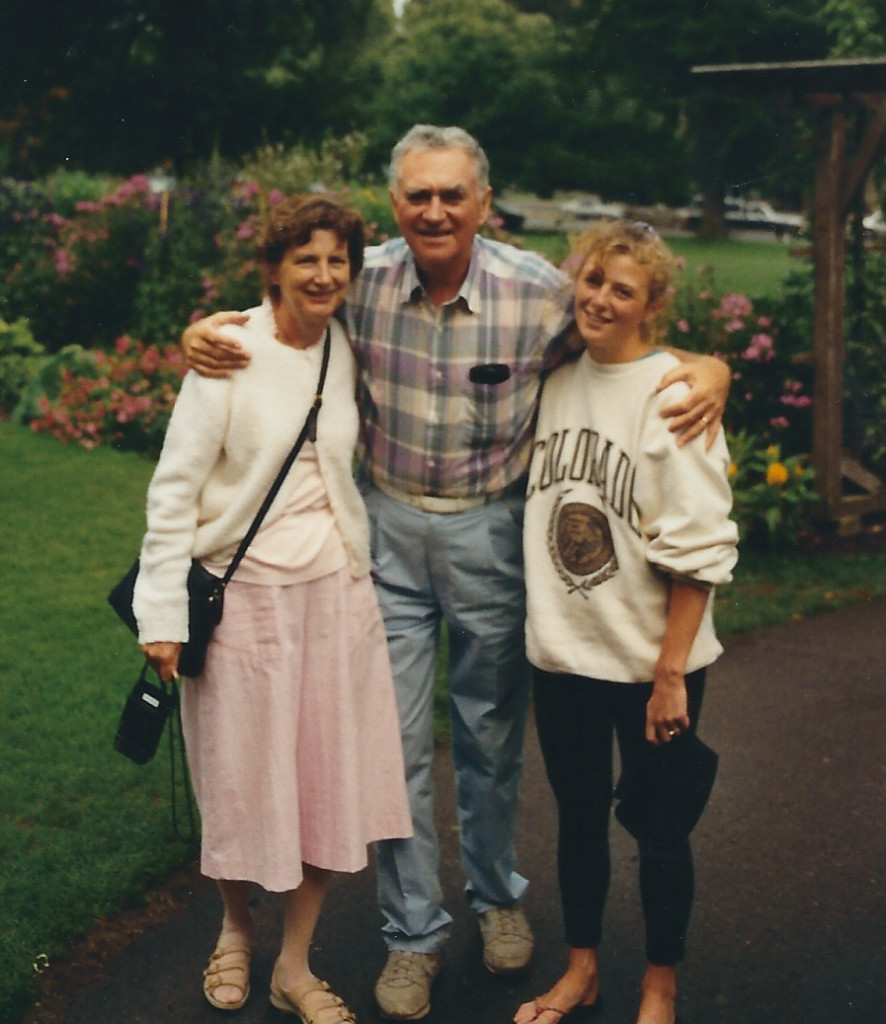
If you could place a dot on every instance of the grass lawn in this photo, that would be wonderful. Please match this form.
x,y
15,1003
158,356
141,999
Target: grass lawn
x,y
756,268
84,830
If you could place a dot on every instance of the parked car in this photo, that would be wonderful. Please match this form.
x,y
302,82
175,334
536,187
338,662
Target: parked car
x,y
749,215
511,218
592,208
874,225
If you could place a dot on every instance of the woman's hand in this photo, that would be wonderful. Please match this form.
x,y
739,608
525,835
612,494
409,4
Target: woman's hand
x,y
702,408
207,349
163,658
667,711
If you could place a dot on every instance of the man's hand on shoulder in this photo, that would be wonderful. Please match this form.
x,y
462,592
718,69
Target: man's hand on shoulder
x,y
701,408
209,351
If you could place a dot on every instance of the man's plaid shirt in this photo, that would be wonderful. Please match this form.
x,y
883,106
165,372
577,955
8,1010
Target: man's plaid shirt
x,y
429,429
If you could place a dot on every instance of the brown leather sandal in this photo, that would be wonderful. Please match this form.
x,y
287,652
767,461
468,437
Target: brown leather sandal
x,y
291,1002
228,967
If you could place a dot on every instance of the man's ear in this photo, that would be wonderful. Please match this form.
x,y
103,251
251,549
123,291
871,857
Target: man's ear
x,y
485,204
392,198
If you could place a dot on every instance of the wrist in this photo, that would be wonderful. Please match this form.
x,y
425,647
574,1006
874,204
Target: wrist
x,y
670,674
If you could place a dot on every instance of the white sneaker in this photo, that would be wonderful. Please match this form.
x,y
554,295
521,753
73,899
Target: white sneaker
x,y
508,943
403,989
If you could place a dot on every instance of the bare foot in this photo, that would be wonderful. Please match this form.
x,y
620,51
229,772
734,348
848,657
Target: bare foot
x,y
574,989
658,996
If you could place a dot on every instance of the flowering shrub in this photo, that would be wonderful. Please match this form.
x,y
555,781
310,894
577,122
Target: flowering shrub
x,y
93,397
87,260
770,393
20,358
72,274
774,497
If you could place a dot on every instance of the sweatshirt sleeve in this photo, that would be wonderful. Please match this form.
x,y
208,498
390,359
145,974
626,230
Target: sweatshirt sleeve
x,y
686,501
193,444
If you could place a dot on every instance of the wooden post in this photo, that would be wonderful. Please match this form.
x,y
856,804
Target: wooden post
x,y
828,226
833,87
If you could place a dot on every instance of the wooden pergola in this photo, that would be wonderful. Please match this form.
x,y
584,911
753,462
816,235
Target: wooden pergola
x,y
833,88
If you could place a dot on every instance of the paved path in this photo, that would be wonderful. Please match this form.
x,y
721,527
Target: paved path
x,y
789,926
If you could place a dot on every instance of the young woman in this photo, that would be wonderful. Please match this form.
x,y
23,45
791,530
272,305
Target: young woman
x,y
291,729
625,535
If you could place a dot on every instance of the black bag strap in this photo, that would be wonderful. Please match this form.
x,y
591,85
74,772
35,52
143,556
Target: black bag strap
x,y
308,432
189,837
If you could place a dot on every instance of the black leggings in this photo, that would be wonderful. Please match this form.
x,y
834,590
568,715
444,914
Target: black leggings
x,y
576,717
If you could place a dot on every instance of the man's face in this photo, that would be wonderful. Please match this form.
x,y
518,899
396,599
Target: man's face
x,y
438,209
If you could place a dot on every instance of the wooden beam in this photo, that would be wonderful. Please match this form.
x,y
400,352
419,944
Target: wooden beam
x,y
857,505
798,78
862,477
828,227
858,170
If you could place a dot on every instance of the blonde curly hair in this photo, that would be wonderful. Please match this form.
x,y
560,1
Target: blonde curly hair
x,y
645,245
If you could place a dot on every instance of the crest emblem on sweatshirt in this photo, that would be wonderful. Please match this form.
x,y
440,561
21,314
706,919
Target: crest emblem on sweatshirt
x,y
580,545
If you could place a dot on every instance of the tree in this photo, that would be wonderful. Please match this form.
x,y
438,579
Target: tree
x,y
478,64
138,82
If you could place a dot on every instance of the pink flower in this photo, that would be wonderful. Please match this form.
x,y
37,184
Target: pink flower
x,y
683,326
779,423
735,305
760,349
796,401
150,360
122,345
245,230
275,196
63,262
250,189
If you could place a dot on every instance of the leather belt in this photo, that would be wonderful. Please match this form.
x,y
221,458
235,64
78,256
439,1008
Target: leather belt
x,y
440,506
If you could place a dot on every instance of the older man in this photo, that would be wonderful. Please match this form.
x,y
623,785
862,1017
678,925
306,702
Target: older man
x,y
452,331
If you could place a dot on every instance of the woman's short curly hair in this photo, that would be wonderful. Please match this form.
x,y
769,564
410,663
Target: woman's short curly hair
x,y
293,220
631,238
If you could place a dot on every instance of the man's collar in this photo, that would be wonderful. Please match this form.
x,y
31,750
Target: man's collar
x,y
469,292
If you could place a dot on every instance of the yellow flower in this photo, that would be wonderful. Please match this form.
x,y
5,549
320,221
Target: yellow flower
x,y
772,451
776,474
733,469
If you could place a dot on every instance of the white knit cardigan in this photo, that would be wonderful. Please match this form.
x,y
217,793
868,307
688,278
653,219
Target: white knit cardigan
x,y
226,441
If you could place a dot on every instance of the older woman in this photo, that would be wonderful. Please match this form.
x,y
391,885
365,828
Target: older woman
x,y
291,729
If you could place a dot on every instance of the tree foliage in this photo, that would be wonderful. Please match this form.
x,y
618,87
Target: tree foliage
x,y
139,82
584,94
478,64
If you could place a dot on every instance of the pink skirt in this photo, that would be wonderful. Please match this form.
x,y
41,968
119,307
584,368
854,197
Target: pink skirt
x,y
292,733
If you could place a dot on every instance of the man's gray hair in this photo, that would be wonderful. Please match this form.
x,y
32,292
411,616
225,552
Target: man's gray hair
x,y
432,136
